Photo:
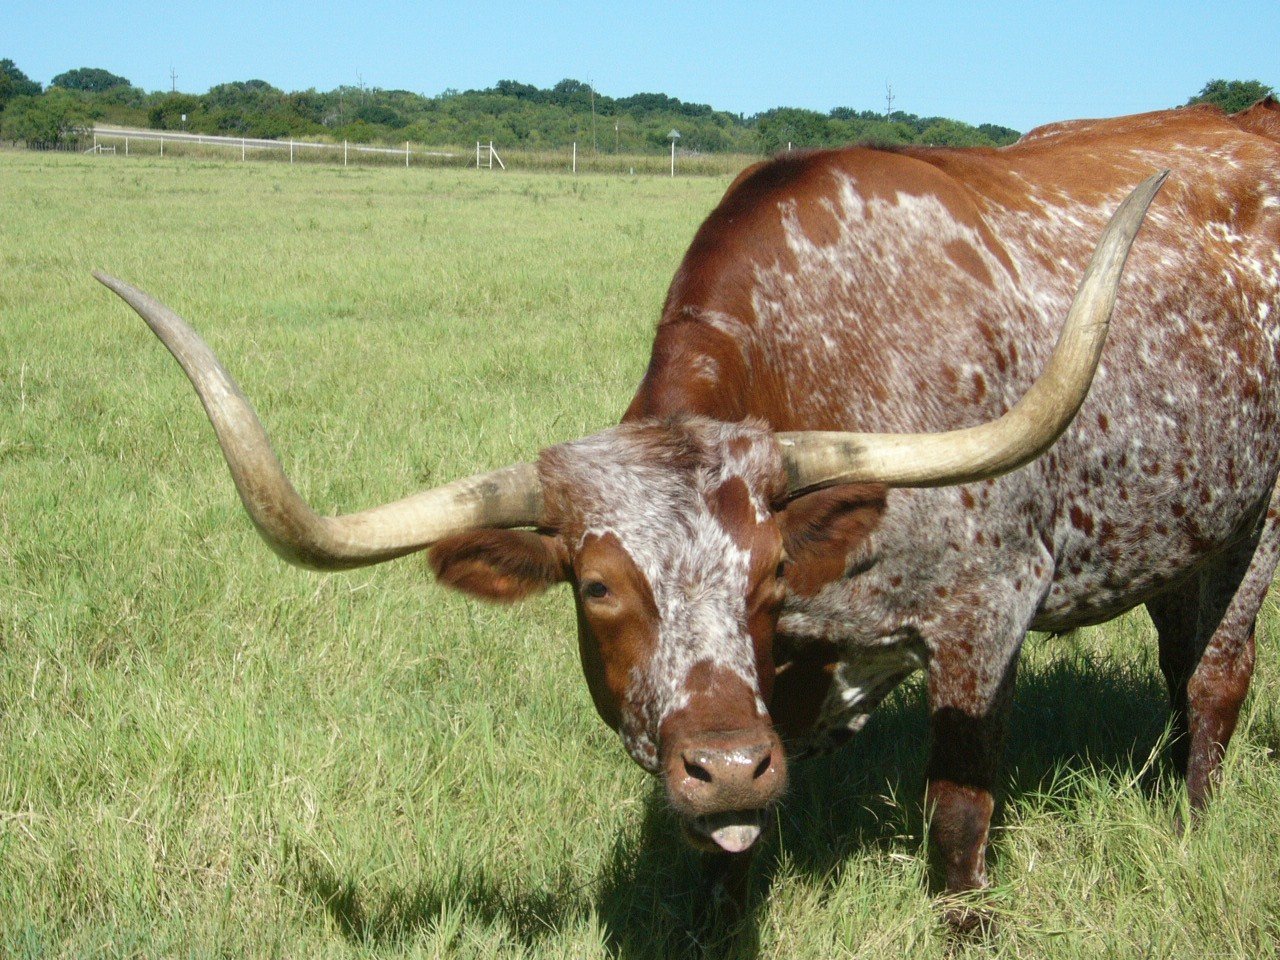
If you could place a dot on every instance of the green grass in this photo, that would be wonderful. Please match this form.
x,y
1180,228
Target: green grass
x,y
205,752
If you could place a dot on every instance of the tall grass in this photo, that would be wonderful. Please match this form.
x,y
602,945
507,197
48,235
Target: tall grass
x,y
205,752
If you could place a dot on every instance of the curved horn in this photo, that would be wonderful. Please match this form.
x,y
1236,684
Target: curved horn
x,y
510,497
816,459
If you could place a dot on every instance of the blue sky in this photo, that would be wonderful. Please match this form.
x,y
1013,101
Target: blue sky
x,y
1017,64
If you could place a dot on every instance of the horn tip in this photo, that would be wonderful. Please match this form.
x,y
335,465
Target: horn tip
x,y
1154,182
108,281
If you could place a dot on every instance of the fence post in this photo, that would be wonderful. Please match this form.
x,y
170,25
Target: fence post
x,y
406,154
162,146
242,149
291,151
344,153
126,146
490,154
575,156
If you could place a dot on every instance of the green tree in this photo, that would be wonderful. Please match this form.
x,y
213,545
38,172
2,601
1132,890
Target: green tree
x,y
800,128
998,135
952,133
167,112
89,80
510,112
1232,95
49,119
15,83
242,95
569,91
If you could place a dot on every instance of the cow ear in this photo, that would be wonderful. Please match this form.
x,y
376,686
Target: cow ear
x,y
820,530
500,565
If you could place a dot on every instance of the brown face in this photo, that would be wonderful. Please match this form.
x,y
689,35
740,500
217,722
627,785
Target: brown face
x,y
687,711
682,671
675,558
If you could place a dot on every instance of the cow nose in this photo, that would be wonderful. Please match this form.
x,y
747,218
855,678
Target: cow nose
x,y
733,771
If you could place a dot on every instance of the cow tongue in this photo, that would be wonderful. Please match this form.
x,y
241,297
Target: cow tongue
x,y
732,832
736,837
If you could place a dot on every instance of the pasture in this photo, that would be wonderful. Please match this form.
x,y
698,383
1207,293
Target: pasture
x,y
204,752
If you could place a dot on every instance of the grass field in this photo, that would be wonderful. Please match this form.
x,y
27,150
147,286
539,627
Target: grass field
x,y
204,752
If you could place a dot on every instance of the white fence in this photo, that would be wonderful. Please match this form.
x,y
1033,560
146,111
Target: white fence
x,y
491,155
139,141
296,149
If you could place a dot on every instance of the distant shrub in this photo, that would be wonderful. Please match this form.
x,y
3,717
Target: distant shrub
x,y
50,119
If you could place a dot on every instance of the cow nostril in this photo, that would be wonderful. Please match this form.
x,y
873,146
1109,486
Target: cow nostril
x,y
763,766
696,771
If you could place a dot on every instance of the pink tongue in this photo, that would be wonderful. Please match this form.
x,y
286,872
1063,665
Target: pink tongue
x,y
736,837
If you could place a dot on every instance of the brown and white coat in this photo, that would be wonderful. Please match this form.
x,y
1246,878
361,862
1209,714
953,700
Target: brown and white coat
x,y
725,608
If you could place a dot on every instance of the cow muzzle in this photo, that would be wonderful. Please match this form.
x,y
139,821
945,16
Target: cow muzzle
x,y
723,785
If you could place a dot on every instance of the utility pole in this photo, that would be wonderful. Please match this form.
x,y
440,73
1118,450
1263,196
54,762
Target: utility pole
x,y
595,147
173,79
888,100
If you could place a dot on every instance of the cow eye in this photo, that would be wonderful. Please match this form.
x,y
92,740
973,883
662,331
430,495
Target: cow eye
x,y
782,569
594,590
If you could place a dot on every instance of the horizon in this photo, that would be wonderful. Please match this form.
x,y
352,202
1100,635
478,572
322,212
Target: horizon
x,y
993,63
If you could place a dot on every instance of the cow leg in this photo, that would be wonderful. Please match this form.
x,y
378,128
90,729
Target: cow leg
x,y
969,701
1207,652
1214,695
1175,615
1231,595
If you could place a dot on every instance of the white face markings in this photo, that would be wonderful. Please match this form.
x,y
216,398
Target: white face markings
x,y
640,485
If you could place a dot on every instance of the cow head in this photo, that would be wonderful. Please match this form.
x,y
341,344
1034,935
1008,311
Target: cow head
x,y
671,534
667,535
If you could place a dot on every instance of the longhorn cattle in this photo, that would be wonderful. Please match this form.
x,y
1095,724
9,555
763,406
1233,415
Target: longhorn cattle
x,y
814,492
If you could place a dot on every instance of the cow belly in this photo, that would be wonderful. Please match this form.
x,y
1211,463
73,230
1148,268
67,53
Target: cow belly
x,y
1096,580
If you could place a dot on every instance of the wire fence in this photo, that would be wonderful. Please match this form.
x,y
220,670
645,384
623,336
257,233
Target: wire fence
x,y
571,158
132,142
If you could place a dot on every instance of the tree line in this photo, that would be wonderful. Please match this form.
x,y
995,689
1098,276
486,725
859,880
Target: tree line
x,y
509,112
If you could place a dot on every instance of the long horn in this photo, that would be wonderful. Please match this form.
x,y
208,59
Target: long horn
x,y
510,497
816,459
